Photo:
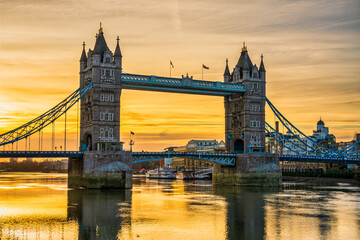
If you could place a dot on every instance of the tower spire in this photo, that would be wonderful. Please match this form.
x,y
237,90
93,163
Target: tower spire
x,y
262,67
100,29
117,52
83,54
227,72
244,48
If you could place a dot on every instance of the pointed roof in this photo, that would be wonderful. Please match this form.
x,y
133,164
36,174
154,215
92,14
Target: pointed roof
x,y
117,52
83,54
100,44
244,60
262,67
227,71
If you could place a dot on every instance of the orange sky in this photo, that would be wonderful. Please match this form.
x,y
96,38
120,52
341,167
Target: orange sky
x,y
311,52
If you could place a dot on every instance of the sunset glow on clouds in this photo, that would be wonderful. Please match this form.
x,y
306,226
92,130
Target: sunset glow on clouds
x,y
311,54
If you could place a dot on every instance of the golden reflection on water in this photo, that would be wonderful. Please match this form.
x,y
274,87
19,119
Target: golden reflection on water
x,y
39,206
33,206
165,210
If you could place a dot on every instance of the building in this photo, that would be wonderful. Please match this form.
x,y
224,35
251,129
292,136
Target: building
x,y
320,136
245,114
200,146
100,107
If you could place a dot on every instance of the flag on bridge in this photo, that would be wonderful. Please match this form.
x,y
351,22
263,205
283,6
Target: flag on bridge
x,y
171,64
132,133
205,67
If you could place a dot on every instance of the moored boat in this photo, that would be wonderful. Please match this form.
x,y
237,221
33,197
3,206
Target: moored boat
x,y
166,173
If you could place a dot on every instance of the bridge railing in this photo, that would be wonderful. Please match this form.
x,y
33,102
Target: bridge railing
x,y
181,83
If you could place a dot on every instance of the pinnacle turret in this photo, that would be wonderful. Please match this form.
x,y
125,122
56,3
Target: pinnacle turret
x,y
117,52
227,71
83,54
262,67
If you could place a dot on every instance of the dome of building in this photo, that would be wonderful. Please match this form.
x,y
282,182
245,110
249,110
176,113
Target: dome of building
x,y
320,122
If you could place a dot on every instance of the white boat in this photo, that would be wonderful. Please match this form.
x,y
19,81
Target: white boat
x,y
166,173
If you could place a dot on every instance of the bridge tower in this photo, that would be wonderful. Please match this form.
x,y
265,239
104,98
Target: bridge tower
x,y
245,113
104,163
245,129
100,106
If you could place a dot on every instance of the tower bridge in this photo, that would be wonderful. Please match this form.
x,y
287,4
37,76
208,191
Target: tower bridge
x,y
101,161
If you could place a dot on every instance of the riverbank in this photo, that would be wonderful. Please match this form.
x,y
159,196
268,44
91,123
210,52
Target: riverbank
x,y
318,180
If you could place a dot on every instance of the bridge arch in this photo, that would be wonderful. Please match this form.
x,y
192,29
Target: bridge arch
x,y
239,146
87,142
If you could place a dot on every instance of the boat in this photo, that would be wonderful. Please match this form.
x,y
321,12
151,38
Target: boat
x,y
201,176
166,173
187,175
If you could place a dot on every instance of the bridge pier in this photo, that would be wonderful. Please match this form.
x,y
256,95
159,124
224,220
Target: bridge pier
x,y
97,169
252,169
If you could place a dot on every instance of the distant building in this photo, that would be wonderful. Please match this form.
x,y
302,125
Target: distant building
x,y
200,146
321,135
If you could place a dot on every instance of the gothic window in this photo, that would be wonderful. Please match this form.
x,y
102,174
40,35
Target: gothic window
x,y
102,134
111,131
107,73
107,60
255,107
106,134
111,73
103,72
255,86
106,97
110,116
255,124
102,97
102,116
111,98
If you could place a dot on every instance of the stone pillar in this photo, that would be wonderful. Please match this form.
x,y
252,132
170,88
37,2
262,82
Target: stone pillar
x,y
99,169
253,169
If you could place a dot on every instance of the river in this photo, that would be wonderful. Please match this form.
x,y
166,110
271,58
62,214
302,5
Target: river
x,y
40,206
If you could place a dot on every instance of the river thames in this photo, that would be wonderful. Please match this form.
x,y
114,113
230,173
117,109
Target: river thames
x,y
40,206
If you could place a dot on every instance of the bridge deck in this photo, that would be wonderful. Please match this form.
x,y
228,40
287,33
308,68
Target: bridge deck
x,y
179,85
228,159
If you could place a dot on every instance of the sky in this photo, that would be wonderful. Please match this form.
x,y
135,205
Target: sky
x,y
311,53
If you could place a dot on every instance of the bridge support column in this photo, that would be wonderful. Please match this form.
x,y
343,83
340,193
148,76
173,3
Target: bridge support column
x,y
99,169
255,169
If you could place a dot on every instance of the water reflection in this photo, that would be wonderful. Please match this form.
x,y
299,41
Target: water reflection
x,y
39,206
100,214
245,210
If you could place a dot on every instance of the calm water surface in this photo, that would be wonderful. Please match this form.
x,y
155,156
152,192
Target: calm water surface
x,y
40,206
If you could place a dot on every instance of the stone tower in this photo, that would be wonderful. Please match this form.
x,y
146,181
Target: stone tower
x,y
104,164
245,113
100,106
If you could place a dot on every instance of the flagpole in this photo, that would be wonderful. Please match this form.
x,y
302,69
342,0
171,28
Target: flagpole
x,y
202,72
130,143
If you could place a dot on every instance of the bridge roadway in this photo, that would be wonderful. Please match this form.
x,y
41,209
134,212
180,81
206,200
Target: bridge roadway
x,y
227,159
179,85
